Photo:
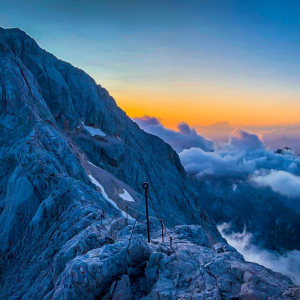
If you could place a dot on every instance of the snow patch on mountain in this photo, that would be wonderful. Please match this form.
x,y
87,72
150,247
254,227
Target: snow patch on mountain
x,y
92,164
92,130
126,196
96,182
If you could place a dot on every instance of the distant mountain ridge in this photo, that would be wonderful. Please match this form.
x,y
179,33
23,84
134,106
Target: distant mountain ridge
x,y
292,143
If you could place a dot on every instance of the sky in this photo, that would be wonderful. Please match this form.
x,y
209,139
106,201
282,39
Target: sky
x,y
199,62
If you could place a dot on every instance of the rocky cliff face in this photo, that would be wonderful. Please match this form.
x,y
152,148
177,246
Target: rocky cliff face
x,y
67,153
72,97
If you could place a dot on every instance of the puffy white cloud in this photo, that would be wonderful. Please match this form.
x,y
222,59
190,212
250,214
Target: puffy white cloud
x,y
243,140
185,138
213,163
244,155
274,136
287,264
281,182
241,157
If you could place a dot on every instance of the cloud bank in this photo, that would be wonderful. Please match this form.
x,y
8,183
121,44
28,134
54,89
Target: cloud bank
x,y
287,264
274,136
185,138
280,182
242,140
242,156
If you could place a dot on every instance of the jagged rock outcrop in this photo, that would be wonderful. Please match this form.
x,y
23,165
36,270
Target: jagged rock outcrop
x,y
187,270
67,153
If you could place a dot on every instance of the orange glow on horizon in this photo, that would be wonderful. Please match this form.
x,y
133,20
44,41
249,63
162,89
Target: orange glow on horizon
x,y
205,109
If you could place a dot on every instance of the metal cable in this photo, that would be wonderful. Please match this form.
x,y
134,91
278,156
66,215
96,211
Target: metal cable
x,y
153,206
134,225
158,216
143,214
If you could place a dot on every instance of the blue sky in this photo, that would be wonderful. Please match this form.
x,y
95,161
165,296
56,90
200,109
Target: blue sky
x,y
211,61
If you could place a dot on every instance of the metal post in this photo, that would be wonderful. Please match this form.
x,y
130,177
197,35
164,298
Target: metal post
x,y
162,230
145,186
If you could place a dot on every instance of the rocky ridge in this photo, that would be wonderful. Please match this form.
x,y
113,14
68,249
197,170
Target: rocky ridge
x,y
67,153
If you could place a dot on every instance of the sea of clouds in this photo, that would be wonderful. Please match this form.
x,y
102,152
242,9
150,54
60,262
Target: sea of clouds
x,y
243,156
274,136
287,263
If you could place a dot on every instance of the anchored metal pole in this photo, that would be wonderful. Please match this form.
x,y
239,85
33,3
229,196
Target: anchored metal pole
x,y
102,215
145,186
162,231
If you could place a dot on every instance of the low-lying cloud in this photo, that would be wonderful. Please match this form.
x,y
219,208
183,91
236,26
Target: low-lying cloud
x,y
287,264
242,156
280,182
185,138
243,140
274,136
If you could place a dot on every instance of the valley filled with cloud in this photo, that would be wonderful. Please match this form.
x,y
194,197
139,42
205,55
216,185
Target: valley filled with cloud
x,y
239,165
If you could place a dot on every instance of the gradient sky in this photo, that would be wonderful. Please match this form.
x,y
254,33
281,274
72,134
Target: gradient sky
x,y
195,61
